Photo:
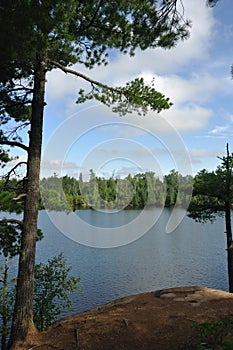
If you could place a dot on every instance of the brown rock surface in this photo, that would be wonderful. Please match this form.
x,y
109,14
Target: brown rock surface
x,y
157,320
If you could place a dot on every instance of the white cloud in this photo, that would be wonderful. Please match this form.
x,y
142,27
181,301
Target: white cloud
x,y
62,168
59,85
125,171
57,164
192,93
225,130
188,118
158,61
204,153
205,158
178,119
219,129
196,89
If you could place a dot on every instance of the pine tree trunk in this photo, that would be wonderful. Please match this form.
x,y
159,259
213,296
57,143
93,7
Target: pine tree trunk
x,y
228,165
229,245
23,312
5,315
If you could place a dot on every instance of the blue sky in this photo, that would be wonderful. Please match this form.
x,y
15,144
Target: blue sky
x,y
188,137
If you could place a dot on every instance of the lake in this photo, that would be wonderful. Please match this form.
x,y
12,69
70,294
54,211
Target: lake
x,y
194,254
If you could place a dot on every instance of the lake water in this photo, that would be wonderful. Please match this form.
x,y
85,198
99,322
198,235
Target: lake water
x,y
194,254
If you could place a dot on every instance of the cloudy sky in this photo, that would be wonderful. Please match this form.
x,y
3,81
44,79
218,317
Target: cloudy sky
x,y
188,137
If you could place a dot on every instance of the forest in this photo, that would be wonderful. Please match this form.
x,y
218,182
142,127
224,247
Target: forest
x,y
137,191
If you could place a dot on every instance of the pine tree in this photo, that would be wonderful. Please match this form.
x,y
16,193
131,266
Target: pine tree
x,y
38,36
213,196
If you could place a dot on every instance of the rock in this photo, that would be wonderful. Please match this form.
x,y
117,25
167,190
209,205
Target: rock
x,y
157,320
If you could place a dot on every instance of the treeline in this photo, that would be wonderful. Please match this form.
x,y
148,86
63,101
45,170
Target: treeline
x,y
69,193
138,191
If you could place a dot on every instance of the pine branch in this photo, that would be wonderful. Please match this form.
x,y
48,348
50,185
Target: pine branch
x,y
13,169
7,176
211,3
91,22
13,221
22,195
134,96
83,76
14,144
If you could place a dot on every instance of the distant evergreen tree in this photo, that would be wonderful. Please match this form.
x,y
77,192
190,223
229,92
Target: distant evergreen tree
x,y
213,196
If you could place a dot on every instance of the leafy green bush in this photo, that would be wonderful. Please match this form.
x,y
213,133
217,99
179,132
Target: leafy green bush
x,y
53,284
52,288
216,335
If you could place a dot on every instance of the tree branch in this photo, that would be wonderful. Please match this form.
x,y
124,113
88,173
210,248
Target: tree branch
x,y
7,176
207,194
211,3
94,17
83,76
13,169
13,221
14,144
22,195
134,96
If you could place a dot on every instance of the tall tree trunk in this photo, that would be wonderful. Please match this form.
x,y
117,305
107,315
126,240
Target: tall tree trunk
x,y
229,245
5,315
228,165
22,322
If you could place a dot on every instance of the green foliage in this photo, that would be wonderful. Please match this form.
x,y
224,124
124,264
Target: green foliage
x,y
212,196
203,208
130,192
54,200
83,33
215,335
53,284
7,297
6,311
8,204
10,237
135,96
12,194
212,190
4,158
52,288
172,186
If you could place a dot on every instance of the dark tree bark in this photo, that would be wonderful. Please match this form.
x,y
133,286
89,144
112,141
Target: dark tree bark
x,y
228,166
229,245
23,312
4,306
